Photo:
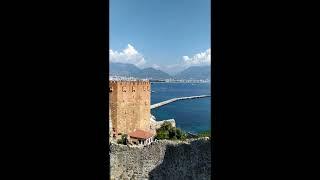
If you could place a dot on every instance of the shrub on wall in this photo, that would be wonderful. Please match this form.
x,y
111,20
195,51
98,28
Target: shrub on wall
x,y
123,140
205,134
166,131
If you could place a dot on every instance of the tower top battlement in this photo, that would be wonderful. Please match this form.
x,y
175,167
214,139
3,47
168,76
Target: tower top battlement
x,y
129,82
122,78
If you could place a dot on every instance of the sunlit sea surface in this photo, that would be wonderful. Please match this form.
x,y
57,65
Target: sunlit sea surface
x,y
193,115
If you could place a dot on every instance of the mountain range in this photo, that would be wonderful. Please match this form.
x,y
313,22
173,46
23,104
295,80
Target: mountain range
x,y
193,72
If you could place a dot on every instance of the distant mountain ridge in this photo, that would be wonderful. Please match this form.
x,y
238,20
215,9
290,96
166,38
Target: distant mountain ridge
x,y
194,72
122,69
152,73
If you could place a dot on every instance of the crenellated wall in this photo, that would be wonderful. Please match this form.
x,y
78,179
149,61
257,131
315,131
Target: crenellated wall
x,y
162,160
129,102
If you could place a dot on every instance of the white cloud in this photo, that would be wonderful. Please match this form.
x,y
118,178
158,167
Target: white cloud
x,y
199,59
203,58
129,55
132,56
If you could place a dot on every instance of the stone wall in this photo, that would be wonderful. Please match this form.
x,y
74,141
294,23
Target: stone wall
x,y
162,160
129,103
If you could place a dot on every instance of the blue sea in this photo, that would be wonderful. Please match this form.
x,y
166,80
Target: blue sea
x,y
192,115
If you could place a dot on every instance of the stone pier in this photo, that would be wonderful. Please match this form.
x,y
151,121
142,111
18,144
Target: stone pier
x,y
176,99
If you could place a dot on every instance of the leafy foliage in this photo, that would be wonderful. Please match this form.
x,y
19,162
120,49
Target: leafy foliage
x,y
205,134
166,131
123,140
162,134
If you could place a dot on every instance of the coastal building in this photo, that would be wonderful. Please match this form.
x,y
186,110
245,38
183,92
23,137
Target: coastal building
x,y
129,109
140,137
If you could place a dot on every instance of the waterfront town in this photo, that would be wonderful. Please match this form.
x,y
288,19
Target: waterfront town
x,y
171,80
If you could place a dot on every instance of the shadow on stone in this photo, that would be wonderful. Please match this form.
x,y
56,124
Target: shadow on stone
x,y
185,161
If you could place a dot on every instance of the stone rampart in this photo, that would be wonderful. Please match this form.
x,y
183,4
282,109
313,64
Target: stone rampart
x,y
162,160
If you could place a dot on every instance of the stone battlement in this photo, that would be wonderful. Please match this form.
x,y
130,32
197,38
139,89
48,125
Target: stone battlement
x,y
143,85
129,82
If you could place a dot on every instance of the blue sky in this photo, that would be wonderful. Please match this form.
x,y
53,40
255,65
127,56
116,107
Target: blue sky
x,y
170,35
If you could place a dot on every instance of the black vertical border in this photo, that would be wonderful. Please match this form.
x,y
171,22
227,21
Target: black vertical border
x,y
216,84
106,77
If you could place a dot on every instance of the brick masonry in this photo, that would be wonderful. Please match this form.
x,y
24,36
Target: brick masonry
x,y
129,105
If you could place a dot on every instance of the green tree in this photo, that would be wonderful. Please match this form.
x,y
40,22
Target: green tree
x,y
123,140
162,134
166,131
166,126
183,137
172,133
179,133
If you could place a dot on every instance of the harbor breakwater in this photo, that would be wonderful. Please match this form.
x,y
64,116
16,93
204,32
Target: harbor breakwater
x,y
176,99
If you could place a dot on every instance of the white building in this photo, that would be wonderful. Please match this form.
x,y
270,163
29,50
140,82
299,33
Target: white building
x,y
140,137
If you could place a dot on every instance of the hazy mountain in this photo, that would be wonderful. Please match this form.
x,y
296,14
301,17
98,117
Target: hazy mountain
x,y
152,73
194,72
123,69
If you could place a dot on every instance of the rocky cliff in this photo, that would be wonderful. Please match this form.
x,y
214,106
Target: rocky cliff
x,y
162,160
157,124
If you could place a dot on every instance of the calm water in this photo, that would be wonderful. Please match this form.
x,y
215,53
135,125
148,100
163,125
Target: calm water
x,y
193,115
